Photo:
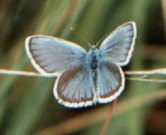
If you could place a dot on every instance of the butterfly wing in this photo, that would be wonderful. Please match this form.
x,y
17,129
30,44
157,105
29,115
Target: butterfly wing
x,y
50,55
74,88
110,82
118,46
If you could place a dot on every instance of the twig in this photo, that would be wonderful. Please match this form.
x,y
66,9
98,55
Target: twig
x,y
143,73
108,118
19,73
136,72
146,79
147,72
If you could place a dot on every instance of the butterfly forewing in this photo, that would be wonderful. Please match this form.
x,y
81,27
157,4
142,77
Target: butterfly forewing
x,y
110,82
50,55
74,87
118,46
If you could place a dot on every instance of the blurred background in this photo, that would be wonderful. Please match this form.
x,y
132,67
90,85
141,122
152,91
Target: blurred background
x,y
27,104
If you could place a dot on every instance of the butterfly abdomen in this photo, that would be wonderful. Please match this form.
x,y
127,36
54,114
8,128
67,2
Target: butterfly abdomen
x,y
92,62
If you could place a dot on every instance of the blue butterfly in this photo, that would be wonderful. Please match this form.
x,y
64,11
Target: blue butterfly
x,y
84,78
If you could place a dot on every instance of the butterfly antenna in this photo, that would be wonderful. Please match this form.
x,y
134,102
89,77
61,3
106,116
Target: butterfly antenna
x,y
98,43
86,41
101,40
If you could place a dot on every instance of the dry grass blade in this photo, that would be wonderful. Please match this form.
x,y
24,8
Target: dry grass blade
x,y
136,72
144,73
147,80
18,73
164,11
108,119
147,72
87,119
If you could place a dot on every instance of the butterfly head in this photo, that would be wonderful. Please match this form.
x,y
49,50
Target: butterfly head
x,y
93,47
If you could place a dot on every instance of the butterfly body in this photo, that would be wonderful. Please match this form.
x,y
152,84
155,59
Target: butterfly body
x,y
92,58
84,78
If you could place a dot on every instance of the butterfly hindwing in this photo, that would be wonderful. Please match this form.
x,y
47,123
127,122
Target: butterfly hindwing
x,y
110,82
74,88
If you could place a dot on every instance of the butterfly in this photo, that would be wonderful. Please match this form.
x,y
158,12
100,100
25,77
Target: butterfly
x,y
84,78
